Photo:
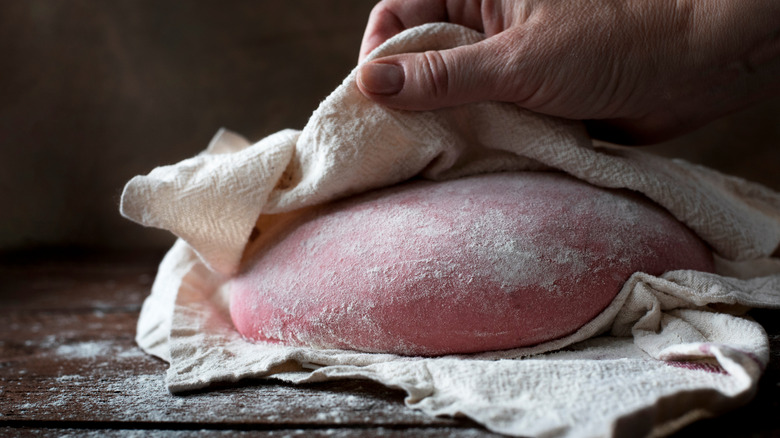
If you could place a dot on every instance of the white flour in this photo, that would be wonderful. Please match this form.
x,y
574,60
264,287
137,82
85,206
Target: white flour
x,y
427,251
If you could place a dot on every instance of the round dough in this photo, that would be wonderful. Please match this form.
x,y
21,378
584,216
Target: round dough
x,y
483,263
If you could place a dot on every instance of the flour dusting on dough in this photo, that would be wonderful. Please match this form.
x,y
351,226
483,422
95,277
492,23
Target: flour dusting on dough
x,y
488,262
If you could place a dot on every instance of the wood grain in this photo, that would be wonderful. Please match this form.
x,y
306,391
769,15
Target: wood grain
x,y
68,360
383,432
69,366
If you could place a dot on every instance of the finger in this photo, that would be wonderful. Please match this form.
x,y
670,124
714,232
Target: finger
x,y
391,17
382,25
437,79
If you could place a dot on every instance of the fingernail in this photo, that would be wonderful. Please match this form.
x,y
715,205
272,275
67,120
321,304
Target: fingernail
x,y
384,79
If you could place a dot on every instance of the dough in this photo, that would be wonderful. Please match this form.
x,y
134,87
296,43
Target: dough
x,y
476,264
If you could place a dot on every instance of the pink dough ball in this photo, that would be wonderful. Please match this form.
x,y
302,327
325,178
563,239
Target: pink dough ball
x,y
484,263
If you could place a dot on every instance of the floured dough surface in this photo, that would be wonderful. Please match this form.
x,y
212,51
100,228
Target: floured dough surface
x,y
476,264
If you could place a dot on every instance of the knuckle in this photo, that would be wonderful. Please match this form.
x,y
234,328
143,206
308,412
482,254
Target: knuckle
x,y
380,7
436,72
380,10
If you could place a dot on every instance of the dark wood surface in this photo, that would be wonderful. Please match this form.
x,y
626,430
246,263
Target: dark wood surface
x,y
69,365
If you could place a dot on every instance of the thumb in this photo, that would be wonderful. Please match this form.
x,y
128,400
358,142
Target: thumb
x,y
438,79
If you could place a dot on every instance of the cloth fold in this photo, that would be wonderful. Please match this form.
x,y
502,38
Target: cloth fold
x,y
352,145
672,348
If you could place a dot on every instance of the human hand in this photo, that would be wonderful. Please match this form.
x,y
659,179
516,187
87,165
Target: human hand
x,y
637,71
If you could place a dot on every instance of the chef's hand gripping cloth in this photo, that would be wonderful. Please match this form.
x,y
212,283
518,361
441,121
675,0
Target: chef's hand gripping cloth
x,y
664,358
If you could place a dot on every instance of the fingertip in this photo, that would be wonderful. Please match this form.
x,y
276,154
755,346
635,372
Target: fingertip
x,y
380,78
416,81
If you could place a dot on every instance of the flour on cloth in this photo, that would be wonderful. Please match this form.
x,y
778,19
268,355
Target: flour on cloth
x,y
665,357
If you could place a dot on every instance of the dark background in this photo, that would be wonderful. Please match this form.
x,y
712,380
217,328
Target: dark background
x,y
93,92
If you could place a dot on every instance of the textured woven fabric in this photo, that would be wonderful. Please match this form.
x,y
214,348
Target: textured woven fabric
x,y
665,357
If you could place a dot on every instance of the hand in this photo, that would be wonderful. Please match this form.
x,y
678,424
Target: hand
x,y
638,71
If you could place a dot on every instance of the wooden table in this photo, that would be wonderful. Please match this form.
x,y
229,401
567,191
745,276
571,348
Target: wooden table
x,y
69,365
